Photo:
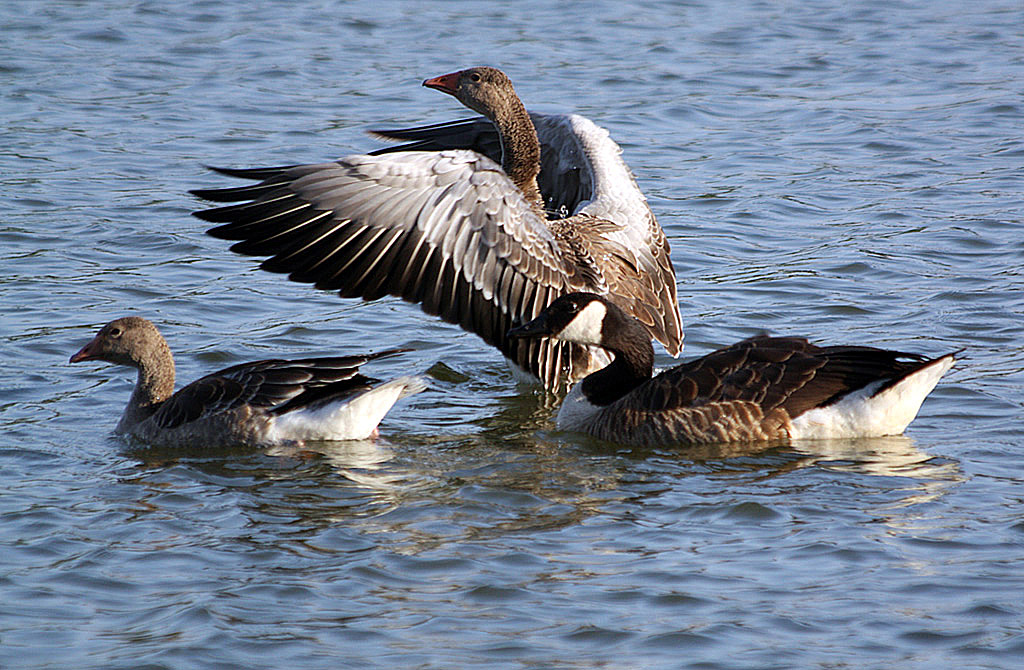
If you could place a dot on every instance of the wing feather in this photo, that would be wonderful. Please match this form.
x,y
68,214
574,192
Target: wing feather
x,y
270,385
430,227
447,228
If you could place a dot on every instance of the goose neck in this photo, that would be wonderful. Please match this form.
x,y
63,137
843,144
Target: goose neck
x,y
633,366
154,385
520,148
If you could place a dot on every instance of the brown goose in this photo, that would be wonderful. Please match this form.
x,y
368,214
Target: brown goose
x,y
763,388
259,403
464,236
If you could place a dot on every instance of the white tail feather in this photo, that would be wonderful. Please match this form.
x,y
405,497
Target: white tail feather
x,y
355,419
864,413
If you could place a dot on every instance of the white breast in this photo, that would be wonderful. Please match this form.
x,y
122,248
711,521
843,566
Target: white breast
x,y
576,411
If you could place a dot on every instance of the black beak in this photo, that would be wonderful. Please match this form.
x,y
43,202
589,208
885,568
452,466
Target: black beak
x,y
537,328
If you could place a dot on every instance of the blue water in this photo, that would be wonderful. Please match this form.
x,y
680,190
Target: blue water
x,y
851,171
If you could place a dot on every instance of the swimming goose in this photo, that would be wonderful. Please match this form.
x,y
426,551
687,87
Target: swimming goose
x,y
262,403
465,236
762,388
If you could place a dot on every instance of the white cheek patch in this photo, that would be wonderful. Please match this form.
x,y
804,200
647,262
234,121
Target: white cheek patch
x,y
585,328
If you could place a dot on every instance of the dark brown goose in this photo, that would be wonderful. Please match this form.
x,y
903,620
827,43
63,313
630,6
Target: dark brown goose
x,y
463,235
259,403
763,388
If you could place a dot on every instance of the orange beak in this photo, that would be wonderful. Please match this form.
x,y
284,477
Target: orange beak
x,y
447,83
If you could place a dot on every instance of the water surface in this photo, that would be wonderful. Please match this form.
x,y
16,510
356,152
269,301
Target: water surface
x,y
847,171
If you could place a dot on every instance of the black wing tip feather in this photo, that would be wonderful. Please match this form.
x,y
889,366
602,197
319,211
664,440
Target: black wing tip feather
x,y
958,354
255,173
399,134
225,215
917,363
459,134
350,361
227,194
329,389
210,194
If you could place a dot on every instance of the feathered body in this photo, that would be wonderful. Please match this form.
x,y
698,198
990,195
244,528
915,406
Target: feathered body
x,y
260,403
762,388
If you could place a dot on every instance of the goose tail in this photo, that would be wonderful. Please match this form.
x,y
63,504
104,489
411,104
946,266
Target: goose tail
x,y
354,418
883,408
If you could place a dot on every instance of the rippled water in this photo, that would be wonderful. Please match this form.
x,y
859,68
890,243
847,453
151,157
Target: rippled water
x,y
849,171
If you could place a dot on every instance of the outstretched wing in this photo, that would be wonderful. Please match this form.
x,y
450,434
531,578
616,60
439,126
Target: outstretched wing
x,y
582,172
446,229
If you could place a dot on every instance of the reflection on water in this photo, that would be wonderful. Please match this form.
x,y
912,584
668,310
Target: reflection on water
x,y
365,454
892,456
923,479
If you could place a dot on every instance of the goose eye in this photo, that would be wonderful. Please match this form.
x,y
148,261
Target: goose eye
x,y
474,77
115,332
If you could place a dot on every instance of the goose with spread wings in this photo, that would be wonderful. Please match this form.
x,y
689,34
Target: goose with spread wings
x,y
483,222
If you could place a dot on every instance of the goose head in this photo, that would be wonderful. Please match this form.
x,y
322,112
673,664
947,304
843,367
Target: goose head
x,y
583,318
124,341
593,320
485,90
